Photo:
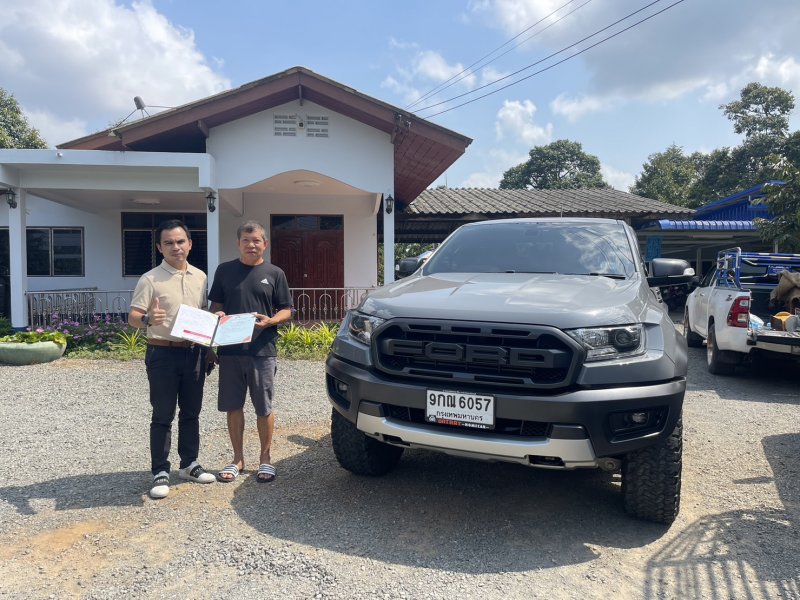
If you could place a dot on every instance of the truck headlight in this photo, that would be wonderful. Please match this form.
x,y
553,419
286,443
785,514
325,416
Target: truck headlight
x,y
608,343
361,326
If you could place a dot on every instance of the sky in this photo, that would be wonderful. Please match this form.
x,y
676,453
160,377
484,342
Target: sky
x,y
583,70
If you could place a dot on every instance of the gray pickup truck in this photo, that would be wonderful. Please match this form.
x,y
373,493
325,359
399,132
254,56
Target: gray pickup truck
x,y
533,341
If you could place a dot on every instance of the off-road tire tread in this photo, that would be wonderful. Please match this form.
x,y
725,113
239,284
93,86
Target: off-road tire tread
x,y
359,453
651,479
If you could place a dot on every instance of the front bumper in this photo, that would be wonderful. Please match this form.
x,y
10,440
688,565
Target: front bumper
x,y
579,435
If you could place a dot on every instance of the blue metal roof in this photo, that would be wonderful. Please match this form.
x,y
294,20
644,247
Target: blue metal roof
x,y
738,206
704,225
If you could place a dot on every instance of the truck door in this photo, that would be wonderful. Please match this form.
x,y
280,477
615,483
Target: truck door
x,y
699,319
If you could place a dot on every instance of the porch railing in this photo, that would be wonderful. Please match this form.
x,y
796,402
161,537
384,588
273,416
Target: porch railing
x,y
85,305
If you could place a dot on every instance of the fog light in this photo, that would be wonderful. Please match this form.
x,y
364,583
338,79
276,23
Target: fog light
x,y
638,418
341,387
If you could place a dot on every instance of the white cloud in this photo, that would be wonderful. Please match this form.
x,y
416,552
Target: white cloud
x,y
575,108
495,163
619,180
97,55
55,130
784,71
432,65
515,119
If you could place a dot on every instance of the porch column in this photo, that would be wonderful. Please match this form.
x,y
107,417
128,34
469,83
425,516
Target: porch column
x,y
18,261
212,231
388,238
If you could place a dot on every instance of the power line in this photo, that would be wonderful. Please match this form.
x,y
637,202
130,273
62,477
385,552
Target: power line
x,y
546,58
457,77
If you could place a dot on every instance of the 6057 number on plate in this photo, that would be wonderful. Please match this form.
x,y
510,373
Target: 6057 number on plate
x,y
461,409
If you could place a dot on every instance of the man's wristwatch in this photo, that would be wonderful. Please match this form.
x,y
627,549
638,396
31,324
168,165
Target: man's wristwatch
x,y
145,319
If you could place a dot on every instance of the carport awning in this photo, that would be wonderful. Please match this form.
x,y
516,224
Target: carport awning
x,y
676,225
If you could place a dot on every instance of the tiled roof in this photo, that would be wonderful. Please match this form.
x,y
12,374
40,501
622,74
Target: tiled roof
x,y
543,203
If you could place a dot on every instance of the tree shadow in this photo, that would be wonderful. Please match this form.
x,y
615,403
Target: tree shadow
x,y
79,492
442,512
742,553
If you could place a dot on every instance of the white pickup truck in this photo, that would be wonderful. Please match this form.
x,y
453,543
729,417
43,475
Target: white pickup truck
x,y
731,308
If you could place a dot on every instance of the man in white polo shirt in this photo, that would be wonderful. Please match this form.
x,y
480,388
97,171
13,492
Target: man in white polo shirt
x,y
176,368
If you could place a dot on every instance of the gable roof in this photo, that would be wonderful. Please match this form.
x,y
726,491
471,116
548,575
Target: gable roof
x,y
422,150
437,212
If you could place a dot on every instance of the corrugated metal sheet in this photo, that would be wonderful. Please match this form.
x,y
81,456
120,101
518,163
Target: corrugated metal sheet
x,y
705,225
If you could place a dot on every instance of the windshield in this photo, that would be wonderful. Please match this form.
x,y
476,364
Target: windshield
x,y
586,248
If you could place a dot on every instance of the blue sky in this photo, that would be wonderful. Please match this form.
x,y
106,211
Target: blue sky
x,y
75,65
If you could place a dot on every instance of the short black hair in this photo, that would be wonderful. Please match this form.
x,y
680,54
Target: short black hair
x,y
169,225
251,227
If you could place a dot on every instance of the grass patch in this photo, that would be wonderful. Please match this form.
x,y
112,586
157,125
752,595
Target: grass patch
x,y
295,342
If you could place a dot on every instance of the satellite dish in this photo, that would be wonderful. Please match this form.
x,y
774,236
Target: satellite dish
x,y
140,105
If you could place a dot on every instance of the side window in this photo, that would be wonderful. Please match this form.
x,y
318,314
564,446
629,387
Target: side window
x,y
708,278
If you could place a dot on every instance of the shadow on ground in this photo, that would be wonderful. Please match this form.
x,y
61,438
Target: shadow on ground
x,y
739,554
441,512
94,490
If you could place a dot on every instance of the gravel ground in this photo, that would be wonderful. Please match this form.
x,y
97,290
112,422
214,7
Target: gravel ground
x,y
77,523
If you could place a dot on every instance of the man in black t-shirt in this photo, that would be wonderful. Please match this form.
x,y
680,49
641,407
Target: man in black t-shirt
x,y
249,284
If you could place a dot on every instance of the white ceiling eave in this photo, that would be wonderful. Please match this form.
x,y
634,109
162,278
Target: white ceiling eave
x,y
107,170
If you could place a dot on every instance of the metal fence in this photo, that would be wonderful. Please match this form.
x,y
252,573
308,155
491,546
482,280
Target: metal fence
x,y
85,305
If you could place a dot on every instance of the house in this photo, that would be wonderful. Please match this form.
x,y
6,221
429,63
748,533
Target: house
x,y
323,167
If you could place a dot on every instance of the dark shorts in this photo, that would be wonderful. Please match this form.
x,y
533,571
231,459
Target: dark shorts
x,y
240,374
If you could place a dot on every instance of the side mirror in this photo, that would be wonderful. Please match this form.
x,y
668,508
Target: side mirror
x,y
669,271
408,265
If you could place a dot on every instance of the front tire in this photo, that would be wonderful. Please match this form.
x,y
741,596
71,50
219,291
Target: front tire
x,y
651,479
720,362
359,453
693,340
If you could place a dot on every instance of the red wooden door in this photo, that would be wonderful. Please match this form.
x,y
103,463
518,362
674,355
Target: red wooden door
x,y
313,260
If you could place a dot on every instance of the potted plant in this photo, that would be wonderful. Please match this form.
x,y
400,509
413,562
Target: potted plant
x,y
32,347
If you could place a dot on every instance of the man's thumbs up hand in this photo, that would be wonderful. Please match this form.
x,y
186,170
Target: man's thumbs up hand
x,y
155,314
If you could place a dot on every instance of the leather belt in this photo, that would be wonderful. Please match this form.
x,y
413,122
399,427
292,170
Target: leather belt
x,y
170,343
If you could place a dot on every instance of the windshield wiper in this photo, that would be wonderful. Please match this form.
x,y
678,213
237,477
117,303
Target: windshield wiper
x,y
609,275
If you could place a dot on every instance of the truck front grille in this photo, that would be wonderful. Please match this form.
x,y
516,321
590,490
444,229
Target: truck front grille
x,y
484,354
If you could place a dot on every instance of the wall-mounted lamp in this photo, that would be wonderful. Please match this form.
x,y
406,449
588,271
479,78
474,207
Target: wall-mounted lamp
x,y
211,198
388,202
11,198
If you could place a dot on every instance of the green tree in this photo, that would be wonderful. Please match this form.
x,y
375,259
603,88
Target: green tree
x,y
560,165
784,201
669,176
761,114
760,110
15,131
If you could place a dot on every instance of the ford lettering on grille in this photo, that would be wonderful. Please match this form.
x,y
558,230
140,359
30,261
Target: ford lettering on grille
x,y
475,354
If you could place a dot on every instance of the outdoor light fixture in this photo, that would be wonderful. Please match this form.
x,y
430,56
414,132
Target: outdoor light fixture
x,y
11,198
211,199
388,202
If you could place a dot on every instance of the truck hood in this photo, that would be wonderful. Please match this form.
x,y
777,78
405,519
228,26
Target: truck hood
x,y
563,301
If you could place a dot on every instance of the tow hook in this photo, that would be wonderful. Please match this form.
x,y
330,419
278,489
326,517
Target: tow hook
x,y
609,464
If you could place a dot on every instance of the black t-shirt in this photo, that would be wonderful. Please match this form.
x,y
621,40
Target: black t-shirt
x,y
241,288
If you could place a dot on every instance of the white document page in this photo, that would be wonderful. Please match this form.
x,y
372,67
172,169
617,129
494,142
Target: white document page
x,y
235,329
195,324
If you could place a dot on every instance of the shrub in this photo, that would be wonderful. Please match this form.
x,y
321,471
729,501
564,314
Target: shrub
x,y
296,341
5,326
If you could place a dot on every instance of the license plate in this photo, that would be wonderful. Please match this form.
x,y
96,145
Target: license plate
x,y
460,409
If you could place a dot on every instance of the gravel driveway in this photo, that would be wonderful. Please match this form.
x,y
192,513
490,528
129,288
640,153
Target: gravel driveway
x,y
77,524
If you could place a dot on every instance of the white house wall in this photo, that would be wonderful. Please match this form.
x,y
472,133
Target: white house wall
x,y
247,151
102,245
360,229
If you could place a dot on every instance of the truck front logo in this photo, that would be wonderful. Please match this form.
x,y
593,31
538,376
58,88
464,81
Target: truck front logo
x,y
471,353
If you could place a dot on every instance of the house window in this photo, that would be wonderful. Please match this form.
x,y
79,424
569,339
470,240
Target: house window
x,y
139,252
52,251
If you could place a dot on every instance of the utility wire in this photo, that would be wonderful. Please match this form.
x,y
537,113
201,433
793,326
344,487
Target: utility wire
x,y
458,76
546,58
